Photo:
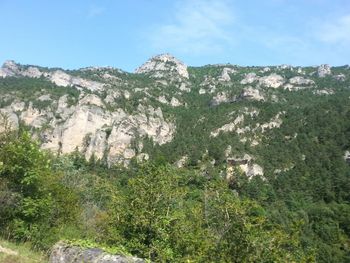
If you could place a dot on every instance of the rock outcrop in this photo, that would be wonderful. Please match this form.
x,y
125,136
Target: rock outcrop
x,y
225,75
245,164
324,70
160,65
59,77
249,78
89,128
298,80
250,93
221,97
272,81
63,253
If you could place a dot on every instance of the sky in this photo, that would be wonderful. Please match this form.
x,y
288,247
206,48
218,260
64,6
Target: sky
x,y
78,33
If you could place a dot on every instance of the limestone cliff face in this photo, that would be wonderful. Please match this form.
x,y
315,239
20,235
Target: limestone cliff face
x,y
93,130
90,128
95,123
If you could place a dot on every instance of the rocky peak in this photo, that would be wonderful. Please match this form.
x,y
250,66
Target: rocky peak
x,y
163,63
10,64
8,69
324,70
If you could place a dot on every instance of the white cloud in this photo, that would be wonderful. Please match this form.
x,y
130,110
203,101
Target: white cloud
x,y
196,27
335,32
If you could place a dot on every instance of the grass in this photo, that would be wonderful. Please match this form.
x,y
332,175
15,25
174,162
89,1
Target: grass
x,y
24,253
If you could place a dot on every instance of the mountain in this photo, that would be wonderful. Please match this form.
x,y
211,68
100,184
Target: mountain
x,y
181,111
233,163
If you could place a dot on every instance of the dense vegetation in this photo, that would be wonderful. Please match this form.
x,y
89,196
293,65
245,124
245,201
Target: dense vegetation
x,y
157,212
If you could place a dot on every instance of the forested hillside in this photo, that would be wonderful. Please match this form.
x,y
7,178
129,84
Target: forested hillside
x,y
219,163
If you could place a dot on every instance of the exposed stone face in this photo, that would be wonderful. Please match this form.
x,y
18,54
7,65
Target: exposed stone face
x,y
184,87
97,145
272,81
249,78
347,156
32,72
59,77
85,125
8,69
340,77
245,164
164,63
182,162
175,102
221,97
225,75
275,122
298,80
63,79
63,253
323,92
324,70
250,93
229,127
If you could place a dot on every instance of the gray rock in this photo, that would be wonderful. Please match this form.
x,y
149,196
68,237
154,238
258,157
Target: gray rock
x,y
340,77
298,80
221,97
249,78
225,75
347,156
272,81
324,70
250,93
164,63
63,253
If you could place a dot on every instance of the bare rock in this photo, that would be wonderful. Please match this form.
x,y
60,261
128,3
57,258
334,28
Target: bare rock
x,y
250,93
347,156
182,161
225,75
298,80
221,97
323,92
164,63
340,77
61,78
249,78
272,81
175,102
64,253
245,164
229,127
324,70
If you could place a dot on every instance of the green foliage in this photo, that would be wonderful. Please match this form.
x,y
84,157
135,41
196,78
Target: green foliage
x,y
162,216
40,203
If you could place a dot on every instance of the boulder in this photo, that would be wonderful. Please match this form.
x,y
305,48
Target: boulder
x,y
64,253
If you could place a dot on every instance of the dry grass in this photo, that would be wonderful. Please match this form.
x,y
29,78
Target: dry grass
x,y
19,253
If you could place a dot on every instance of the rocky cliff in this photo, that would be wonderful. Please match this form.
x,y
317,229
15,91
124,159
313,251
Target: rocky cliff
x,y
115,116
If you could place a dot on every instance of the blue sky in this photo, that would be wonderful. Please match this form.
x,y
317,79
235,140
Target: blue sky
x,y
124,34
